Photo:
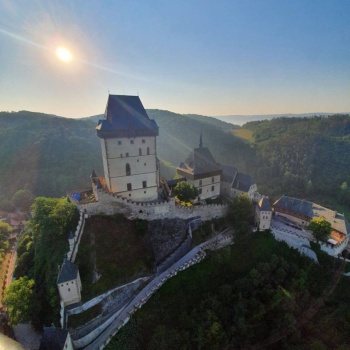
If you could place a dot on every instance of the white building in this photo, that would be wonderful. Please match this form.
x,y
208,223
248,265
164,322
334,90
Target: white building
x,y
201,170
235,183
263,214
129,154
69,284
301,212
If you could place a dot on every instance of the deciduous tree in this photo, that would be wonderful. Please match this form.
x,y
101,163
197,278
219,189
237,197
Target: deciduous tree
x,y
185,191
321,229
18,299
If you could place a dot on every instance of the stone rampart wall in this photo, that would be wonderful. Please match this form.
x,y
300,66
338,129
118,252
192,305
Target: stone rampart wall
x,y
109,205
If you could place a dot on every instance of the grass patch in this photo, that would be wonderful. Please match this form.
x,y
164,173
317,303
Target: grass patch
x,y
244,134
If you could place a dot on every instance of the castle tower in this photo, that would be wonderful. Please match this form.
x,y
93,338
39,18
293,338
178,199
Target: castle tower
x,y
129,154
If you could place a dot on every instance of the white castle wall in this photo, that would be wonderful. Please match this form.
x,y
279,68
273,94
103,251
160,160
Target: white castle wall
x,y
109,205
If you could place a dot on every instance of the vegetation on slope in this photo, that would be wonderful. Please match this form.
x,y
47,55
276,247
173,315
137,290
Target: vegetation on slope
x,y
41,250
112,251
256,293
304,157
45,154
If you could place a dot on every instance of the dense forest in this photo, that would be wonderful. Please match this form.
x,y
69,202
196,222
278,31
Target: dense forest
x,y
258,293
304,157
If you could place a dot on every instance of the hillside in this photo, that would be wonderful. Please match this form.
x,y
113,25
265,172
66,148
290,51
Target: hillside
x,y
46,154
304,157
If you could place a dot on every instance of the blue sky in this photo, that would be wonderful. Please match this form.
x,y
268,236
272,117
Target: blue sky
x,y
188,56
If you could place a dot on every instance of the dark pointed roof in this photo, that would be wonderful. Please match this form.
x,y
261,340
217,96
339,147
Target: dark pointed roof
x,y
125,116
242,182
53,338
264,204
200,161
229,173
68,272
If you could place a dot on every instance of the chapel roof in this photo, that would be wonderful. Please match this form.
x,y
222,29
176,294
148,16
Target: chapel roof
x,y
68,272
125,116
242,182
200,161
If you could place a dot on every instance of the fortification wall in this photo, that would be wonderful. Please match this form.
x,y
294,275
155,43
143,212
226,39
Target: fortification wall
x,y
109,205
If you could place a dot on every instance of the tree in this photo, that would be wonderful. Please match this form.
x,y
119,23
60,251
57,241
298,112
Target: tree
x,y
185,191
5,230
240,213
18,299
321,229
23,199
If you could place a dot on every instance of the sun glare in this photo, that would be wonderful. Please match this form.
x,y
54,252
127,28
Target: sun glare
x,y
63,54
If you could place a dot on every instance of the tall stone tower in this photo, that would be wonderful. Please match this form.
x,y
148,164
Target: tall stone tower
x,y
128,143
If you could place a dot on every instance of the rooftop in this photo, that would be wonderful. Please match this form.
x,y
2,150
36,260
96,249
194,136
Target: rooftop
x,y
68,272
53,338
313,210
125,116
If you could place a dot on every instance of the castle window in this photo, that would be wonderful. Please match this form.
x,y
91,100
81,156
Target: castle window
x,y
129,187
144,184
132,142
119,143
140,151
127,155
212,188
68,289
200,182
127,169
144,164
212,180
143,141
200,191
148,151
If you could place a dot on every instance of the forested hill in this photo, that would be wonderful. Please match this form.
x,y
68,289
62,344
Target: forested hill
x,y
46,154
305,157
51,155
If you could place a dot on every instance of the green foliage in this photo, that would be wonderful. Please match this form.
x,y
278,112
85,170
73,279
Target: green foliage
x,y
23,199
47,155
302,156
115,248
5,230
185,191
42,249
256,293
18,299
321,229
240,213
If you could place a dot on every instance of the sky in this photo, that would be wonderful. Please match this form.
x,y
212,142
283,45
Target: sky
x,y
218,57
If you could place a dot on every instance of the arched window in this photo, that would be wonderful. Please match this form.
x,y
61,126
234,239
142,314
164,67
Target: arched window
x,y
127,169
140,151
148,151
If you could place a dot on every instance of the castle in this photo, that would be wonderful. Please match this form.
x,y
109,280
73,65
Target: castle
x,y
131,185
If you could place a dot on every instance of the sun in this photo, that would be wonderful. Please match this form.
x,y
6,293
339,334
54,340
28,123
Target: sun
x,y
64,54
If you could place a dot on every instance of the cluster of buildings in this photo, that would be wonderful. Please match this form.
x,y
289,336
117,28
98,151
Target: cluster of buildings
x,y
131,173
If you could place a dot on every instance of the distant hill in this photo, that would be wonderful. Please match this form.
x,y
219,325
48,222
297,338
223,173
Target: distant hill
x,y
242,119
